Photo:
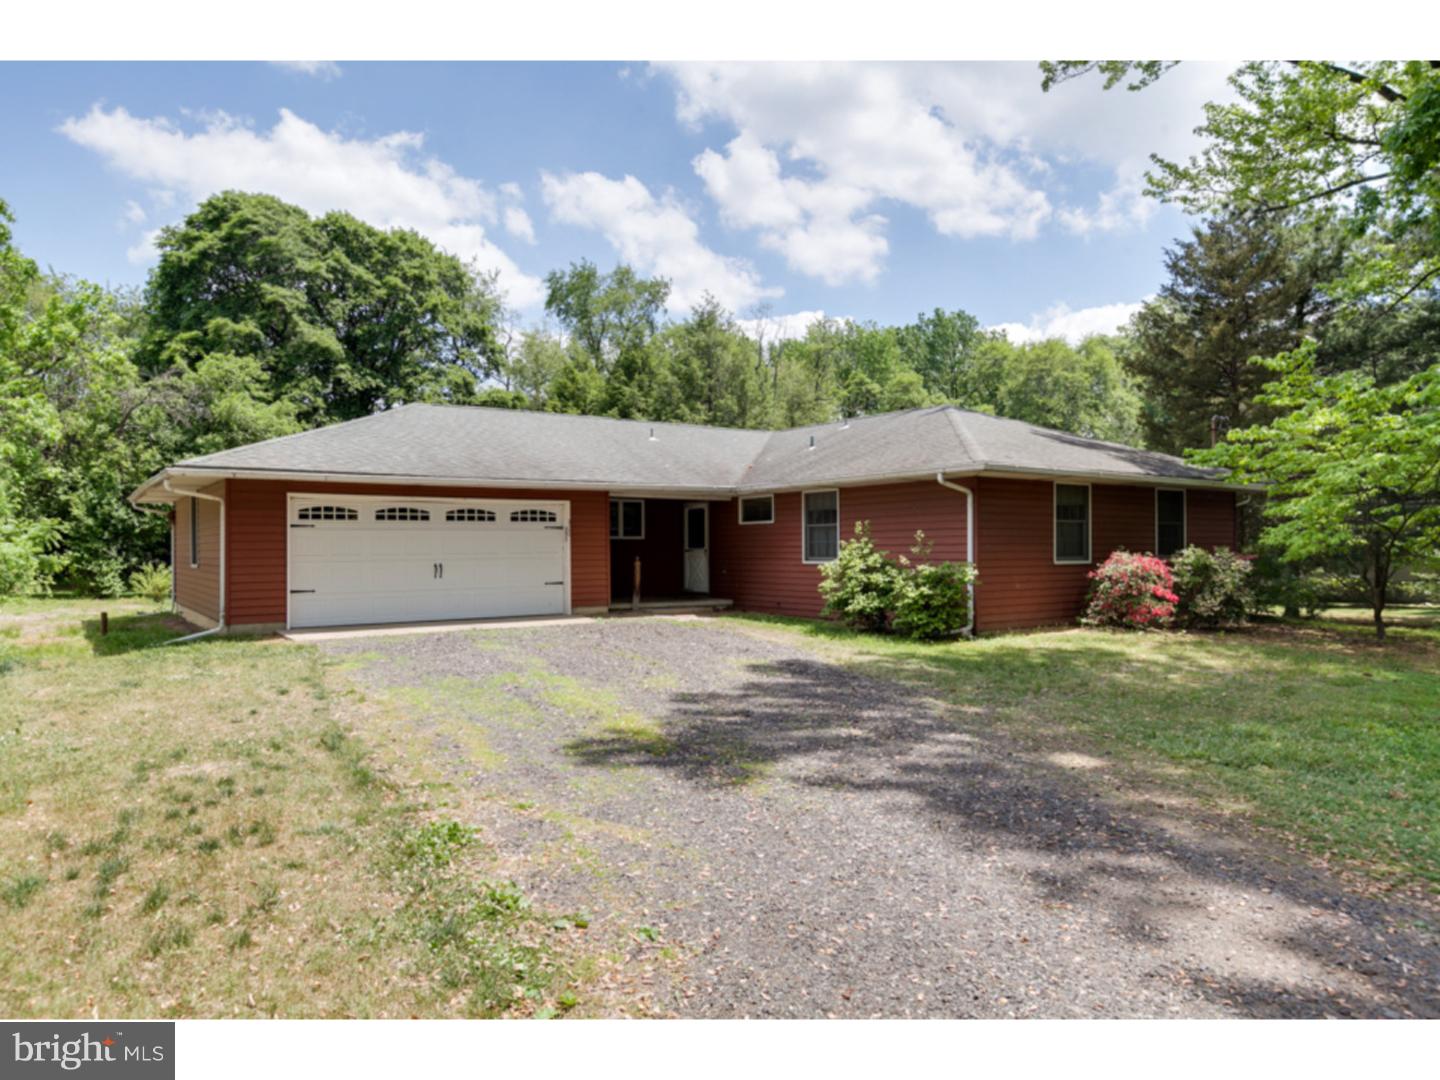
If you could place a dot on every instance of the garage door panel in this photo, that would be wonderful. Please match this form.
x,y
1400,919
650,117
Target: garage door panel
x,y
349,570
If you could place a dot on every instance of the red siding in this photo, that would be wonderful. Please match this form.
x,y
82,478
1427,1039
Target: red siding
x,y
1210,518
255,535
760,566
1020,583
197,588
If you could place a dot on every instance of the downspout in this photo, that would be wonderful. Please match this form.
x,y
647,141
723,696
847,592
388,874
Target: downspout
x,y
969,628
220,623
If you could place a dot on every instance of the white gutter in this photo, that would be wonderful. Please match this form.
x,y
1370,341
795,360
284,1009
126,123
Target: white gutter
x,y
220,624
969,628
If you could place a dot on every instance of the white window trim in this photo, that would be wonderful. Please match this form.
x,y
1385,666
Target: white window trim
x,y
803,525
740,511
1055,521
1184,519
620,520
194,533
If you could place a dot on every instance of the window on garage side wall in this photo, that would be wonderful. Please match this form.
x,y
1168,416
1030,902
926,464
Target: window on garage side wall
x,y
194,531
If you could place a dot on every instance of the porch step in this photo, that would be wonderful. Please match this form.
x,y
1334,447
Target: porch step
x,y
673,606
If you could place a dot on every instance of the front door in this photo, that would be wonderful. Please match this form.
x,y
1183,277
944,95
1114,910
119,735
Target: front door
x,y
697,547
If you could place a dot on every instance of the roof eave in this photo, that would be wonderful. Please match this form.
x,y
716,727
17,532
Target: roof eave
x,y
1019,472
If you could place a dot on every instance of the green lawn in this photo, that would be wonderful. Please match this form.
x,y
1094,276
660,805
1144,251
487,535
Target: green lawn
x,y
225,828
1313,730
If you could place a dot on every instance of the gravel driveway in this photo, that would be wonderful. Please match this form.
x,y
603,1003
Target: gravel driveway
x,y
811,842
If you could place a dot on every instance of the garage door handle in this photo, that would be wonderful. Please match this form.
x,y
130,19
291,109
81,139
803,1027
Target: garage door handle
x,y
554,583
294,591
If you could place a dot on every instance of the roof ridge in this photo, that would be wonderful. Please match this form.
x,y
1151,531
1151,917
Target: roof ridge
x,y
972,448
583,416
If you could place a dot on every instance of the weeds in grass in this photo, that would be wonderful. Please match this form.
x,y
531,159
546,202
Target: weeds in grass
x,y
155,898
107,873
482,938
19,891
169,935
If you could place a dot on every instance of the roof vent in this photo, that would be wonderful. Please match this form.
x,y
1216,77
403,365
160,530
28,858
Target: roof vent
x,y
652,435
812,442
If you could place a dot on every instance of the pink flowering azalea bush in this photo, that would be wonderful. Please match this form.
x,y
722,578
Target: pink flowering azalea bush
x,y
1135,592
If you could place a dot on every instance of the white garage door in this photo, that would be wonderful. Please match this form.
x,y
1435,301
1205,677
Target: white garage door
x,y
391,559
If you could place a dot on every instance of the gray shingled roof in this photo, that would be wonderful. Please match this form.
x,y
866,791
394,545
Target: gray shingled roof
x,y
501,445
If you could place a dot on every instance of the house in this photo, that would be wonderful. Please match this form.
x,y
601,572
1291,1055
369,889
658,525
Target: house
x,y
436,512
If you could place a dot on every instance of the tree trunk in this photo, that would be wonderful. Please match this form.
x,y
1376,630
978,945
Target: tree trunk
x,y
1379,587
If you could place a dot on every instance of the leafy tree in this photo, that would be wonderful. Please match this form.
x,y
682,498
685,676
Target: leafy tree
x,y
608,314
941,348
344,318
534,364
613,318
1352,467
1082,389
714,370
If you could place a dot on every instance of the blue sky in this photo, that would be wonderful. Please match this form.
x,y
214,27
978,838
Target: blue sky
x,y
864,191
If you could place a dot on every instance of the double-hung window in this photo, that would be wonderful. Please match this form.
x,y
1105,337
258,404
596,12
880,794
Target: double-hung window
x,y
1072,523
1169,521
822,525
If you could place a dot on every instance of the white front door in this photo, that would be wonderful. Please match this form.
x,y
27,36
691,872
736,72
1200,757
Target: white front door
x,y
697,547
377,559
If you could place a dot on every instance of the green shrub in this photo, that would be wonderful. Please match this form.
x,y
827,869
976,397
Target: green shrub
x,y
859,584
1213,587
932,600
152,582
1132,591
864,588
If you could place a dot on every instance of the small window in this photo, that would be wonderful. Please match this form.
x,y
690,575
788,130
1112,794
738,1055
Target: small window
x,y
327,513
194,531
533,515
1072,523
757,510
822,525
1169,522
469,513
401,513
627,519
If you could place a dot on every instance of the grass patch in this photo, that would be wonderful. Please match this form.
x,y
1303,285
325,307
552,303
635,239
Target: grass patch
x,y
1315,730
215,837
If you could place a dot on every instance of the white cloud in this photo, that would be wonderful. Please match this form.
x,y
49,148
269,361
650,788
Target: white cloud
x,y
387,181
780,327
316,69
1060,321
655,235
821,148
143,251
519,225
134,212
